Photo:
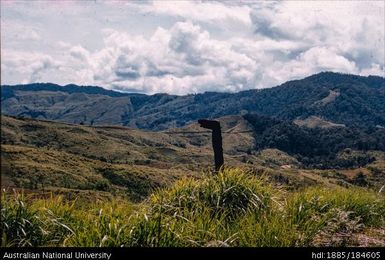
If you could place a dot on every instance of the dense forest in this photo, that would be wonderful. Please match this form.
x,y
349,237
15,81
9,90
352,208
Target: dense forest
x,y
332,147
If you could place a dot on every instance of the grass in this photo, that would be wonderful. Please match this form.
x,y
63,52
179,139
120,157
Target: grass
x,y
233,208
51,156
56,222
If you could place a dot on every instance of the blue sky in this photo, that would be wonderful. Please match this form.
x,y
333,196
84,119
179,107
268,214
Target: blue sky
x,y
182,47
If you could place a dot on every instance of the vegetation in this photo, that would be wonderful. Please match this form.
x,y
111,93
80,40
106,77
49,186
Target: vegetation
x,y
309,172
318,147
339,98
233,208
67,159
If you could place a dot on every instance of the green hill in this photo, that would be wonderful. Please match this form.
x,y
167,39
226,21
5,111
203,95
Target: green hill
x,y
130,163
76,185
318,147
338,98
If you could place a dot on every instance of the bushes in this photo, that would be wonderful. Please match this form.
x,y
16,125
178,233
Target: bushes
x,y
102,185
233,208
317,147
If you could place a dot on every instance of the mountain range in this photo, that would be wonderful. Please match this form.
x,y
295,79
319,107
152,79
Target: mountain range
x,y
86,141
330,98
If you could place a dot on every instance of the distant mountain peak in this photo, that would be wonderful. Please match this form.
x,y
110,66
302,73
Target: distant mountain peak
x,y
336,97
329,75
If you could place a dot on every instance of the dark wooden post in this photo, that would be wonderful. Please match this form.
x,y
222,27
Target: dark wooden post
x,y
215,126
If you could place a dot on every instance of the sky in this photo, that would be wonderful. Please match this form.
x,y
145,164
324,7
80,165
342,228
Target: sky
x,y
182,47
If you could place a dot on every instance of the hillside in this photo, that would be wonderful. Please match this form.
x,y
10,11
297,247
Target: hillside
x,y
319,146
337,98
120,161
76,185
43,155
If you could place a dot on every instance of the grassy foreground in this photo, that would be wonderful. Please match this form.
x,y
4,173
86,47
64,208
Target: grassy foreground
x,y
233,208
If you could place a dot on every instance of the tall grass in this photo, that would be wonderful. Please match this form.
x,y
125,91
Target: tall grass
x,y
55,222
201,212
233,208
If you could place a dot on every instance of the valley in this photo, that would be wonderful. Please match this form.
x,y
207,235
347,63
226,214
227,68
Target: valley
x,y
304,166
131,163
337,98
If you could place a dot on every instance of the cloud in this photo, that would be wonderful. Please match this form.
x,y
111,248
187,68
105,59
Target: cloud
x,y
189,46
17,31
309,62
199,11
79,53
180,60
30,66
350,29
30,35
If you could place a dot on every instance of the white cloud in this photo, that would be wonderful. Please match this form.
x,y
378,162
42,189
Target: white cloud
x,y
17,32
80,53
30,66
352,29
188,46
374,69
180,60
209,12
30,35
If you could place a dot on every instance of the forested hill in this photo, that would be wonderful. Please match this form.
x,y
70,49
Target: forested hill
x,y
319,147
338,98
